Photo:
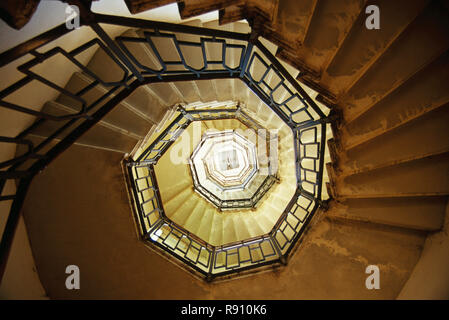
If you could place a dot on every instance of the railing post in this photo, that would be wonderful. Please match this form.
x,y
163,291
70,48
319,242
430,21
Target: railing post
x,y
245,60
255,31
282,258
210,276
156,190
321,162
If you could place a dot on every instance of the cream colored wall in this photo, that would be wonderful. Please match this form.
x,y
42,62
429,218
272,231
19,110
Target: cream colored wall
x,y
430,278
20,280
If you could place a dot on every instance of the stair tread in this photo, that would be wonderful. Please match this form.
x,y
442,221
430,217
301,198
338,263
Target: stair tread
x,y
324,34
122,116
422,176
420,213
402,61
205,228
100,135
352,59
420,94
422,138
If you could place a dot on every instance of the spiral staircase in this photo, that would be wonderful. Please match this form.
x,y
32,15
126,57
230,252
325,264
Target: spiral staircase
x,y
385,170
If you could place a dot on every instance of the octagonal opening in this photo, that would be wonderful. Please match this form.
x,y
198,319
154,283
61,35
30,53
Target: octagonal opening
x,y
225,158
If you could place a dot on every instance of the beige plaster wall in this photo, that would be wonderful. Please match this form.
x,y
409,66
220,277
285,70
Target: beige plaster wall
x,y
430,278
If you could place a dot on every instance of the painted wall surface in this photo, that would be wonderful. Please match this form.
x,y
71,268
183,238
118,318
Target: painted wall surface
x,y
430,278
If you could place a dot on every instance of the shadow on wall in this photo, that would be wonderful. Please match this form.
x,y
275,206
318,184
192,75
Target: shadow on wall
x,y
430,278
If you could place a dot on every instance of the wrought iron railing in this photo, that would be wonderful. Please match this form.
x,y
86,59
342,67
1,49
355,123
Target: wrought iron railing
x,y
206,259
254,65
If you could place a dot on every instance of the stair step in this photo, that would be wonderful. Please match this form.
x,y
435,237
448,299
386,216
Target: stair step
x,y
419,213
217,124
266,222
170,193
209,125
123,116
188,90
186,209
363,47
205,228
270,209
143,53
240,91
252,102
410,53
415,98
295,14
347,32
171,206
166,93
144,101
420,138
283,194
243,228
102,135
427,176
104,67
229,233
331,22
175,207
216,228
193,222
254,226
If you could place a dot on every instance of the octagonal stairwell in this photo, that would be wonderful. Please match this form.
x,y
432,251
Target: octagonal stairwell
x,y
387,165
